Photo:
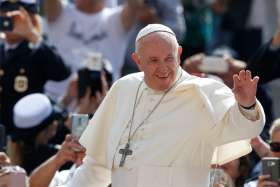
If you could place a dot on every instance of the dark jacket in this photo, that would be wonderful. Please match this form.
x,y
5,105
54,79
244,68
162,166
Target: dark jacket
x,y
266,63
24,71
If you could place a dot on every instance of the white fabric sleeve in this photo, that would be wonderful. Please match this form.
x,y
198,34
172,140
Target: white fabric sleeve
x,y
235,126
252,115
90,174
95,171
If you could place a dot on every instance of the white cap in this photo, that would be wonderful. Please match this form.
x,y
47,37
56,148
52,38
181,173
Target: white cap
x,y
231,151
31,110
21,1
151,28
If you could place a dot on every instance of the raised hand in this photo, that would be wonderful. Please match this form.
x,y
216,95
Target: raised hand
x,y
23,25
245,88
4,159
67,152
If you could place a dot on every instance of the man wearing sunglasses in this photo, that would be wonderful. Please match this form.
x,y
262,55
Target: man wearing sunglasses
x,y
271,150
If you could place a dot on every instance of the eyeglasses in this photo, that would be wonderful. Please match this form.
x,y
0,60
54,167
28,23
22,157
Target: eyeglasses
x,y
274,146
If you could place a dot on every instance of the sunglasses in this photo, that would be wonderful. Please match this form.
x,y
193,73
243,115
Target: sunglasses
x,y
274,146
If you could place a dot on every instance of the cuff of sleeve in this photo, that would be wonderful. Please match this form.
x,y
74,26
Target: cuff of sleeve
x,y
35,46
250,114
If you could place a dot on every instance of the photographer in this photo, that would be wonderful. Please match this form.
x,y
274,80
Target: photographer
x,y
26,63
274,145
86,90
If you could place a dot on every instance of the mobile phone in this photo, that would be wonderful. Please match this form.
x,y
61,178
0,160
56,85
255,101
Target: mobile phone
x,y
213,64
79,124
89,79
2,138
90,76
6,24
270,166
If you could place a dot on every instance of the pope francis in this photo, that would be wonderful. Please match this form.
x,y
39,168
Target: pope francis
x,y
160,127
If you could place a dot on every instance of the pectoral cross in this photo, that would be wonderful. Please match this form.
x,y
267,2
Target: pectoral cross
x,y
126,151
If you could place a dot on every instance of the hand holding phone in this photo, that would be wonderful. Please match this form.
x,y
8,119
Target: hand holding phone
x,y
271,166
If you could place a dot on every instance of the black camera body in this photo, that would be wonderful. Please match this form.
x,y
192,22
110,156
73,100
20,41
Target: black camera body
x,y
89,78
6,23
2,138
271,166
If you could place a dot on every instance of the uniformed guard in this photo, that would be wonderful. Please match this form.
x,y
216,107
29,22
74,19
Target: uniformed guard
x,y
26,63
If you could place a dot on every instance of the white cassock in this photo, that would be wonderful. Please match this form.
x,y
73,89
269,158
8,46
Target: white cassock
x,y
175,145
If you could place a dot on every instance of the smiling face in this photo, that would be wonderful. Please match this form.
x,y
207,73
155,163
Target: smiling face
x,y
158,56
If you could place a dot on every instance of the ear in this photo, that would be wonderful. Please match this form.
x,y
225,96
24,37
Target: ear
x,y
180,50
136,59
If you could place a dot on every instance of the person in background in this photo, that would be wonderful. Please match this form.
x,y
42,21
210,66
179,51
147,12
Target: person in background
x,y
26,62
273,150
88,27
169,13
265,62
36,121
47,175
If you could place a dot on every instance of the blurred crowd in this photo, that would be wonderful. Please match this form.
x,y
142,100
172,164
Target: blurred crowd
x,y
59,57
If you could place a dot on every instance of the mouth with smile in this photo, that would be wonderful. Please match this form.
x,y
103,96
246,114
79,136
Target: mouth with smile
x,y
162,76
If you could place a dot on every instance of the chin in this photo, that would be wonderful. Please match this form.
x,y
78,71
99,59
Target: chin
x,y
163,87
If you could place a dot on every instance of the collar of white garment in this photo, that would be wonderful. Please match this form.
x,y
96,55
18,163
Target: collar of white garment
x,y
10,46
156,92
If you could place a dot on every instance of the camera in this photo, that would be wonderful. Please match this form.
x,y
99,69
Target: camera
x,y
271,166
89,78
90,75
6,23
79,123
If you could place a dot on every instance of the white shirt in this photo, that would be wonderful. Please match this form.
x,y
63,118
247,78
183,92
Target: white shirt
x,y
175,146
76,34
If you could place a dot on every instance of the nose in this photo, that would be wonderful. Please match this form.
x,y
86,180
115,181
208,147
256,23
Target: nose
x,y
163,67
